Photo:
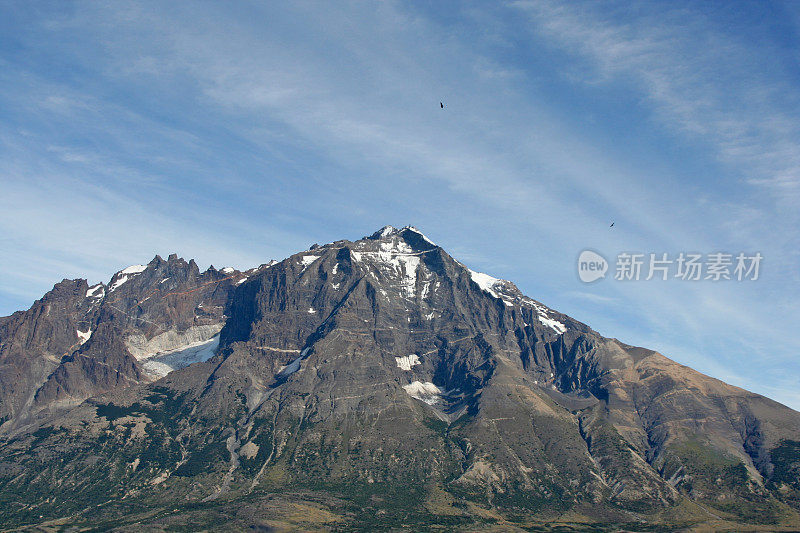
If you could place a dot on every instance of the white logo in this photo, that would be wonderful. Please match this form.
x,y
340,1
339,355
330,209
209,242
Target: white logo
x,y
685,266
591,266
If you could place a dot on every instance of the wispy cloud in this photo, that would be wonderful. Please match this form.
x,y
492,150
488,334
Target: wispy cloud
x,y
592,297
238,135
702,78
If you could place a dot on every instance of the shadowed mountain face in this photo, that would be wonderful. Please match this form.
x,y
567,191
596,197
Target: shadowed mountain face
x,y
377,383
79,341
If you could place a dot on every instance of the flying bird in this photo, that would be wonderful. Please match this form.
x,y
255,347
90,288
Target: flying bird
x,y
441,105
612,225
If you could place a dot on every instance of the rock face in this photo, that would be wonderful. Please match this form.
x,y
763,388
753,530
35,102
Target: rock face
x,y
80,341
369,380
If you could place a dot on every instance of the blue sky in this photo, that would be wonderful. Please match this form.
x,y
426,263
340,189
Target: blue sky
x,y
235,133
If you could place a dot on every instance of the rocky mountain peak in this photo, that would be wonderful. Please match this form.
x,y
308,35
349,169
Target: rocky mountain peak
x,y
383,232
410,233
381,365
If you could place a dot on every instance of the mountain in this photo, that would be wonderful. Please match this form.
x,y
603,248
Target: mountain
x,y
368,385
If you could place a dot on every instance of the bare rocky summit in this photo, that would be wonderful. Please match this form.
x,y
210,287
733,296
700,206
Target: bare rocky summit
x,y
374,384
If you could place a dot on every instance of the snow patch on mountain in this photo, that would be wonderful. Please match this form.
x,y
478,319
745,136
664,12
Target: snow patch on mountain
x,y
397,260
426,287
133,269
498,288
228,270
95,292
543,315
126,274
407,361
169,341
308,259
557,326
84,335
410,266
424,391
397,246
485,282
163,363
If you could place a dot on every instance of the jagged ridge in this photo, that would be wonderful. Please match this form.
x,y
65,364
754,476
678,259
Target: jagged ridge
x,y
386,366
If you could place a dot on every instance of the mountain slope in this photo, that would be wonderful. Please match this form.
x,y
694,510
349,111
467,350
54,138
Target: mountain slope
x,y
371,379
